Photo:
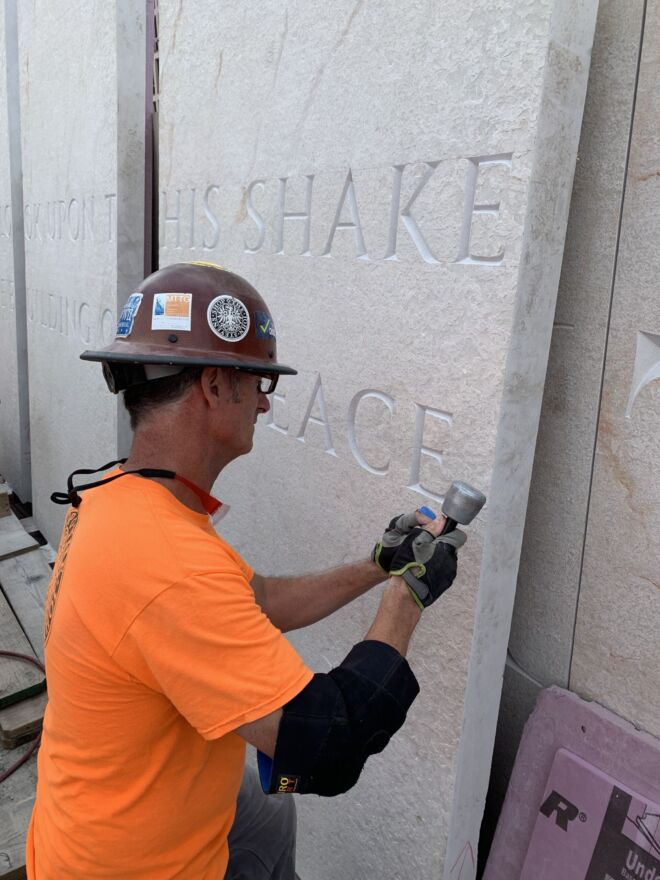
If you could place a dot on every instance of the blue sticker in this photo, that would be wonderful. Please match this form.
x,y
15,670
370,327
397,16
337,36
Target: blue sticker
x,y
127,317
265,326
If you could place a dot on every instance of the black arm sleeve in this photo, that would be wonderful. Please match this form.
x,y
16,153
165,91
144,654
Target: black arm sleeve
x,y
330,728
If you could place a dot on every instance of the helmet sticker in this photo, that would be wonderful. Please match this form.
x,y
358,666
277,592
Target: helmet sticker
x,y
265,326
171,311
228,318
127,317
204,263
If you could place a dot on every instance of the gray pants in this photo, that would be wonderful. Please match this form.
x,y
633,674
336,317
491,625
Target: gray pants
x,y
262,841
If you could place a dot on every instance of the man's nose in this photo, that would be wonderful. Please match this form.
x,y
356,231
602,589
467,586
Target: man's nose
x,y
263,404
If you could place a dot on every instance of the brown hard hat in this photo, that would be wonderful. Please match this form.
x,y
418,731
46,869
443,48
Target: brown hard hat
x,y
192,314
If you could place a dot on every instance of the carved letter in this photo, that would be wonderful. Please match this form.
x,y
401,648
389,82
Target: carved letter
x,y
409,221
474,164
51,216
85,327
108,324
212,218
352,442
91,215
348,195
419,449
275,397
110,199
61,218
323,420
256,216
191,241
52,311
647,366
173,218
27,213
304,216
69,318
73,235
7,214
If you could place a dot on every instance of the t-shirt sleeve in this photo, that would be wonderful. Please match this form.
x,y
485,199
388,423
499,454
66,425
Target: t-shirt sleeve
x,y
207,646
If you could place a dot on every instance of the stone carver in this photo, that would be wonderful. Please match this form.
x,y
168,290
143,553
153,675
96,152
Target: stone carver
x,y
164,649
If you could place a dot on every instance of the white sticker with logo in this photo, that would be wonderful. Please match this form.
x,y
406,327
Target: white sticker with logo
x,y
127,317
171,311
228,318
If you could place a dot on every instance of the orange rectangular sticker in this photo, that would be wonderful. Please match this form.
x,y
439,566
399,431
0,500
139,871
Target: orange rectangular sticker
x,y
171,311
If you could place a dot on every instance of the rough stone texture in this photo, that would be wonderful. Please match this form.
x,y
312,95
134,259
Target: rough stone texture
x,y
73,160
13,443
617,654
588,731
550,563
282,94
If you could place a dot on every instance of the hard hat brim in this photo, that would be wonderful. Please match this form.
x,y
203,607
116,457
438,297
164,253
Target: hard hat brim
x,y
190,360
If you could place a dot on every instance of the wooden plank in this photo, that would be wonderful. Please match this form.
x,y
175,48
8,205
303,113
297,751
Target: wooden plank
x,y
13,537
29,524
22,721
5,492
18,679
17,800
24,580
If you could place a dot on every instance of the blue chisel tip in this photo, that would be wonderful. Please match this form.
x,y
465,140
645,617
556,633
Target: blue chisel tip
x,y
427,512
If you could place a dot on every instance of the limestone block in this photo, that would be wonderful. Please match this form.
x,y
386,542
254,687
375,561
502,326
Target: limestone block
x,y
74,255
396,183
616,652
14,438
550,563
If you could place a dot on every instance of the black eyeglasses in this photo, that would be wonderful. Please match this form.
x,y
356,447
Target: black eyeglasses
x,y
266,382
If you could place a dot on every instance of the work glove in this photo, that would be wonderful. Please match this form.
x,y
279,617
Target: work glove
x,y
427,564
385,550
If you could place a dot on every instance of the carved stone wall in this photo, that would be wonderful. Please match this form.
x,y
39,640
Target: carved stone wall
x,y
586,609
14,436
616,654
397,186
83,166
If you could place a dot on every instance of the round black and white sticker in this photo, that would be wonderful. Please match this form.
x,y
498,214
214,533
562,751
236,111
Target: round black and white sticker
x,y
228,318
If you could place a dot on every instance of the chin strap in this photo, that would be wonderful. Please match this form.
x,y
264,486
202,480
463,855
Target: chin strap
x,y
213,506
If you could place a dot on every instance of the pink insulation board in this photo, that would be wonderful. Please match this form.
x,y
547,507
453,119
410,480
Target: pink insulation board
x,y
584,798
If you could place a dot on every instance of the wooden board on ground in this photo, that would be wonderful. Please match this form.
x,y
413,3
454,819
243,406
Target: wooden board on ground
x,y
13,537
5,492
29,524
17,799
24,581
22,721
18,679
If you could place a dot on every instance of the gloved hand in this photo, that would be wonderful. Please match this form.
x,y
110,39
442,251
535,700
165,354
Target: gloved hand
x,y
386,549
427,563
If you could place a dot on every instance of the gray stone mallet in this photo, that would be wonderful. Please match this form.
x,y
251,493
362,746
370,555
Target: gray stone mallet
x,y
462,503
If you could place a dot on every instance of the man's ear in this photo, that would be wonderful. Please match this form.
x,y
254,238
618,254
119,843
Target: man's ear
x,y
213,385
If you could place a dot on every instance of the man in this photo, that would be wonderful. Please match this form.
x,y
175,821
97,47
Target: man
x,y
164,650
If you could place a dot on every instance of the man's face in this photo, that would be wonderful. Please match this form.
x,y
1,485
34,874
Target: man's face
x,y
246,402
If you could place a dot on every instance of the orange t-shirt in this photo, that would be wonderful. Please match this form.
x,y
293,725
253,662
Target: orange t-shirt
x,y
156,651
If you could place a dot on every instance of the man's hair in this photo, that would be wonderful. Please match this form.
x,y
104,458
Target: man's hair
x,y
142,399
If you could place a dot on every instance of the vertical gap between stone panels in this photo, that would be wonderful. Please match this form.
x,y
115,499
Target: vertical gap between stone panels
x,y
607,336
134,28
150,140
18,245
154,93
